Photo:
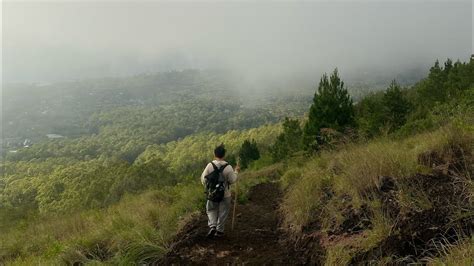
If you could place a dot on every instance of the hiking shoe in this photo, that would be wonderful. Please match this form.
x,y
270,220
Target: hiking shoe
x,y
211,233
219,234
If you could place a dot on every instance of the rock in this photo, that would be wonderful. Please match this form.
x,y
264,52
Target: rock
x,y
387,183
223,253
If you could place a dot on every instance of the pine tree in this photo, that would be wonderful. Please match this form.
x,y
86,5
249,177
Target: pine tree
x,y
434,90
396,107
248,152
370,115
332,108
289,141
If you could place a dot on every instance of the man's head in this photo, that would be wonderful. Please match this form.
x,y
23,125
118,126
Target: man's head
x,y
219,151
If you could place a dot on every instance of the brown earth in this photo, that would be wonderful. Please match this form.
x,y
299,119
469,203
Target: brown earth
x,y
256,239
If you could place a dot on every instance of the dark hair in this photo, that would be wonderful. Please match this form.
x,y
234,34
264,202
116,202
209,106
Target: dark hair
x,y
219,151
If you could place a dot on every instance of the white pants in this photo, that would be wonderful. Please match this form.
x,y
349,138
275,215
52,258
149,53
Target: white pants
x,y
217,213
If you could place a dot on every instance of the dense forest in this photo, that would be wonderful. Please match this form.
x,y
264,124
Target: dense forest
x,y
120,177
163,107
78,108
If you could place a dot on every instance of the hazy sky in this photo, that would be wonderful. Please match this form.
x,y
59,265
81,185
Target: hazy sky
x,y
72,40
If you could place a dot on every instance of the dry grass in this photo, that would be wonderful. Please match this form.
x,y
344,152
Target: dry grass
x,y
304,199
338,255
341,253
461,254
347,178
355,171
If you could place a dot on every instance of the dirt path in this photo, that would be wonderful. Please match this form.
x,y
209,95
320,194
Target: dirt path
x,y
256,239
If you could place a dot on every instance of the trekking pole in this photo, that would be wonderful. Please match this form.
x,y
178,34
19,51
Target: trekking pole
x,y
235,200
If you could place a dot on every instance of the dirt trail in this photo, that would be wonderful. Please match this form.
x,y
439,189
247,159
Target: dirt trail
x,y
255,240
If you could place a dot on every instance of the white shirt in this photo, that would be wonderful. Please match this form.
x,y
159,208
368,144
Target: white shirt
x,y
229,174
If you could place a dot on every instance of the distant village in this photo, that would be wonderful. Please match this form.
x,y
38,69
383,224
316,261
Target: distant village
x,y
13,144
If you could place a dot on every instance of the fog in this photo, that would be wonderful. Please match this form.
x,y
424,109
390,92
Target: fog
x,y
45,42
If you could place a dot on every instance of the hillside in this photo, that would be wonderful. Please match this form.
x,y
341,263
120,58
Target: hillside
x,y
138,110
386,180
388,202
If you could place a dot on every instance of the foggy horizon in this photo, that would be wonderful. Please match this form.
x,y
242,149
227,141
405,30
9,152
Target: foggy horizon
x,y
64,41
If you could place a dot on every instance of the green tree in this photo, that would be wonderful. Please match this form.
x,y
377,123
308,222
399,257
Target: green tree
x,y
370,114
248,152
289,141
332,108
396,107
433,89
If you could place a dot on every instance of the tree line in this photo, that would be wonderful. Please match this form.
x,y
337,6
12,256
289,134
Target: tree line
x,y
397,111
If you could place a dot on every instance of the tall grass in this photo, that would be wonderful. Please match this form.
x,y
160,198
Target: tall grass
x,y
461,254
136,230
355,170
336,181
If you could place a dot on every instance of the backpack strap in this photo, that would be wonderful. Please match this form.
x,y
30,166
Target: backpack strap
x,y
221,169
214,166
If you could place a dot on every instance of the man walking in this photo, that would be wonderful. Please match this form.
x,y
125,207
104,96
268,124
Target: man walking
x,y
218,209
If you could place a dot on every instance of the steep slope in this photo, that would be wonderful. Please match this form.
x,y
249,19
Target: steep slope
x,y
255,240
386,202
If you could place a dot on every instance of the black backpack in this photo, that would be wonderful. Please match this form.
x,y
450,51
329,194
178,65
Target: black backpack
x,y
215,183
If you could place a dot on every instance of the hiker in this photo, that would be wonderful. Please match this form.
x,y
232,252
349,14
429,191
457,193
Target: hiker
x,y
217,177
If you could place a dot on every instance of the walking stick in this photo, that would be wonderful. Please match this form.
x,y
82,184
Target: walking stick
x,y
235,200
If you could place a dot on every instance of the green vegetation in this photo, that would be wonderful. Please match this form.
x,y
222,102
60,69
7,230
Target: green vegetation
x,y
371,198
124,181
340,187
121,117
136,230
333,119
384,112
446,93
355,169
289,141
332,108
189,155
248,152
90,219
130,160
125,132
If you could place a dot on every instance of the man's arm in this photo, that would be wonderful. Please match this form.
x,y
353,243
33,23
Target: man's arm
x,y
204,174
231,174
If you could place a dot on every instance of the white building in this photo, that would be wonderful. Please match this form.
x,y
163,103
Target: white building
x,y
54,136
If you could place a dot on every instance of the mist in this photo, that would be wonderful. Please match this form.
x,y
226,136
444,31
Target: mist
x,y
265,41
